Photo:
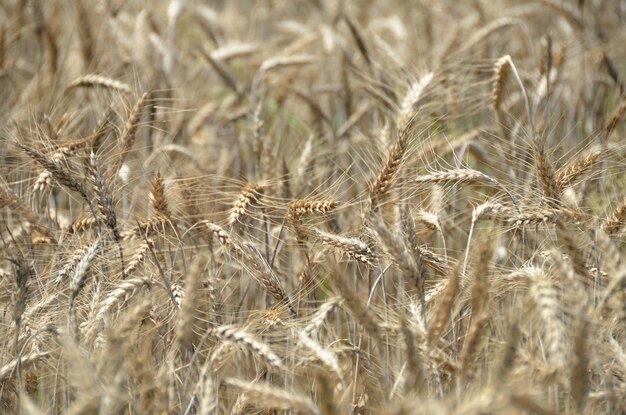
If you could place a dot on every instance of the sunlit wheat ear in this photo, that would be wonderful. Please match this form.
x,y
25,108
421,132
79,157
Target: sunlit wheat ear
x,y
545,295
298,209
70,265
188,313
104,198
445,306
397,250
458,176
250,195
387,175
120,294
60,173
242,338
414,378
615,221
303,207
159,201
267,396
127,138
104,201
353,247
318,319
616,118
77,279
502,70
22,273
102,128
93,80
327,357
568,174
207,391
571,247
546,173
149,228
10,369
139,257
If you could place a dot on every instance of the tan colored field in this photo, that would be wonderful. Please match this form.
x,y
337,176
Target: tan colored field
x,y
317,207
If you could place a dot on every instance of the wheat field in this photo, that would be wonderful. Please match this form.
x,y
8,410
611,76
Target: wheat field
x,y
313,207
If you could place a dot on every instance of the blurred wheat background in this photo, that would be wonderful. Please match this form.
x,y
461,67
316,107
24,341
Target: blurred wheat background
x,y
317,207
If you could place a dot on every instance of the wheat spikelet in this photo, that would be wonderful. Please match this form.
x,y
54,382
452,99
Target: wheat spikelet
x,y
545,295
77,279
139,257
616,220
434,260
104,199
91,80
57,170
9,369
444,308
188,312
127,138
502,70
353,247
22,272
272,397
327,357
303,207
546,173
615,119
320,315
412,100
178,294
121,294
415,377
567,175
147,229
83,224
159,201
250,194
397,250
387,175
207,392
234,50
542,216
242,338
70,265
429,219
457,176
280,62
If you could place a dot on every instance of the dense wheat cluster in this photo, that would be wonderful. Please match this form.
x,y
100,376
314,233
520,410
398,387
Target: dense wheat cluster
x,y
317,207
